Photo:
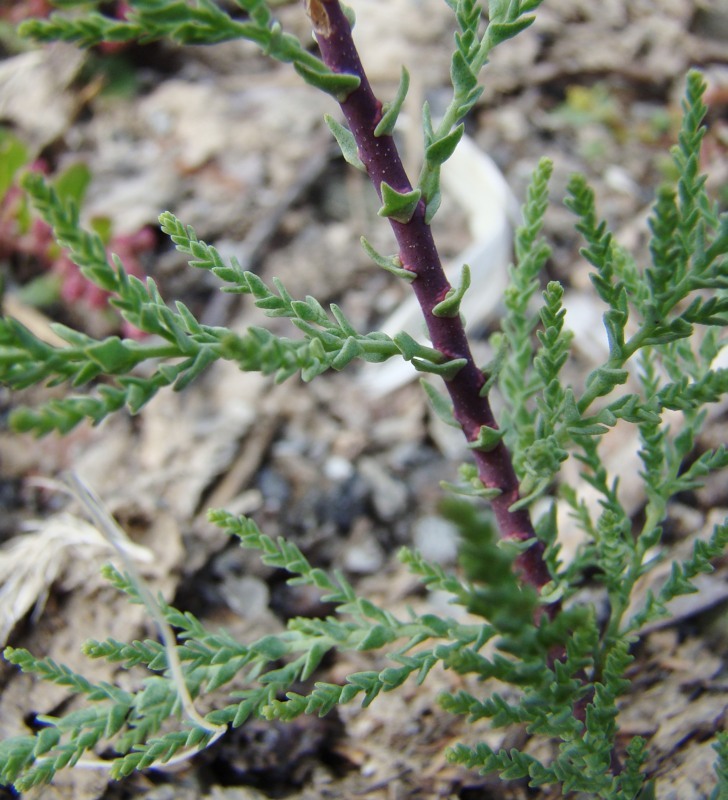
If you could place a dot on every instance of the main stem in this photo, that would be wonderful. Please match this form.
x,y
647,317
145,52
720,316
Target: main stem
x,y
418,254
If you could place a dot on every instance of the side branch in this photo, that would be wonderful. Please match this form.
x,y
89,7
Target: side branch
x,y
419,255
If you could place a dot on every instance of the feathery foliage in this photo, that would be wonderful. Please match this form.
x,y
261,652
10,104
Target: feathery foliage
x,y
559,669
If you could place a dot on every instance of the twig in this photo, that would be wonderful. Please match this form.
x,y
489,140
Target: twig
x,y
117,539
418,254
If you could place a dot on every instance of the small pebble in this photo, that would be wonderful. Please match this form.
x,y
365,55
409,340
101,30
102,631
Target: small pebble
x,y
389,495
436,539
246,596
338,468
364,557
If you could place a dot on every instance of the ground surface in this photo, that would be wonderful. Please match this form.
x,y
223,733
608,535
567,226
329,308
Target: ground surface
x,y
237,148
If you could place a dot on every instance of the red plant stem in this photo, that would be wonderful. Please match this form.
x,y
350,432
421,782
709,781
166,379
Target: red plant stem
x,y
418,253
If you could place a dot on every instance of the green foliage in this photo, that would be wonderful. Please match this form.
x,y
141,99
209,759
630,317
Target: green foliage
x,y
182,348
199,22
557,668
544,417
472,48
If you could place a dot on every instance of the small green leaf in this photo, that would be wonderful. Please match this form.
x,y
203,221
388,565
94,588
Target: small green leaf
x,y
376,638
46,739
427,129
116,720
450,306
531,490
391,110
514,547
391,264
392,677
468,490
270,647
313,659
411,348
112,355
433,204
200,362
429,184
487,439
340,85
344,324
399,206
13,154
191,323
348,352
447,371
256,286
587,430
347,144
441,149
306,311
441,405
461,75
604,379
103,227
72,183
614,322
499,32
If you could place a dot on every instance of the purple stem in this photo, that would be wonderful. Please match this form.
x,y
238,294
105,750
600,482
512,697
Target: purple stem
x,y
418,254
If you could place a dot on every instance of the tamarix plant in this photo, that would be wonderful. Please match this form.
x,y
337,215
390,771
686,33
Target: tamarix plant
x,y
564,665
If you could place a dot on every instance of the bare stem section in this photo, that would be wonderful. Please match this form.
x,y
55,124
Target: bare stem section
x,y
418,254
